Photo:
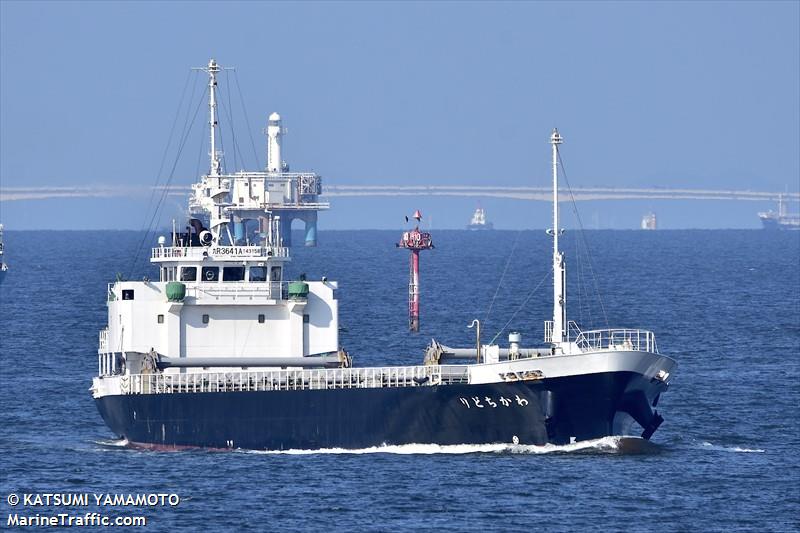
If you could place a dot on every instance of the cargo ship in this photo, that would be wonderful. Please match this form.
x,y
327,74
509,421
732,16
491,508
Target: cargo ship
x,y
781,219
223,352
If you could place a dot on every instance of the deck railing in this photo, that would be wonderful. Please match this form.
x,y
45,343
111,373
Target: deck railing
x,y
597,340
102,344
572,330
275,290
637,340
277,380
233,290
219,252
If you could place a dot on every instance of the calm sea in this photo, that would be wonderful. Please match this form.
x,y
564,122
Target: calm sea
x,y
724,304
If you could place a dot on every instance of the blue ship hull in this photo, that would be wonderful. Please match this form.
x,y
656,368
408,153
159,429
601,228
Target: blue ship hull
x,y
557,411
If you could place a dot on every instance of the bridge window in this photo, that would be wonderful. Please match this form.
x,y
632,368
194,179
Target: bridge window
x,y
210,273
205,319
233,273
261,319
258,273
188,273
168,273
276,274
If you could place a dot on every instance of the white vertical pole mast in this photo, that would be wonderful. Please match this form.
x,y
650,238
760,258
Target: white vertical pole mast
x,y
559,287
212,70
218,217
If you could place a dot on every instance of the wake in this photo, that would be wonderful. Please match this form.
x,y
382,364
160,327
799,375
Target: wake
x,y
617,445
735,449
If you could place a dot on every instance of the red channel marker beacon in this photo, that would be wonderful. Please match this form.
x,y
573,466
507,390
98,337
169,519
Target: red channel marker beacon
x,y
416,241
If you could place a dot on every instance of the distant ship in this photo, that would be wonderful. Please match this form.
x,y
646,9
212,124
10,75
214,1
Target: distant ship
x,y
780,220
649,221
478,221
3,266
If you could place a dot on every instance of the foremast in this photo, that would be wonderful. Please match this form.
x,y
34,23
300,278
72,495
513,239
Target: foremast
x,y
559,334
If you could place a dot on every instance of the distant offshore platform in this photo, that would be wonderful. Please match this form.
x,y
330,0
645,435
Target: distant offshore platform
x,y
649,221
274,193
479,222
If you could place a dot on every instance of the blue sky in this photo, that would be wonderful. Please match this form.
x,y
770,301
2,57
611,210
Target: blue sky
x,y
672,94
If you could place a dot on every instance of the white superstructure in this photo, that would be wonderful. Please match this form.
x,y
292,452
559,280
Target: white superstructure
x,y
219,305
221,300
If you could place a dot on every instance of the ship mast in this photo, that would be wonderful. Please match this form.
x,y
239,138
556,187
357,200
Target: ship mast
x,y
559,268
220,188
212,70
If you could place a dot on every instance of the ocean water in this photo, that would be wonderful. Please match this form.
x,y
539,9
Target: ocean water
x,y
724,304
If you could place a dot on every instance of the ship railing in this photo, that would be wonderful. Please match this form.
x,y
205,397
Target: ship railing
x,y
285,380
233,290
597,340
218,252
277,177
274,290
102,344
573,330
